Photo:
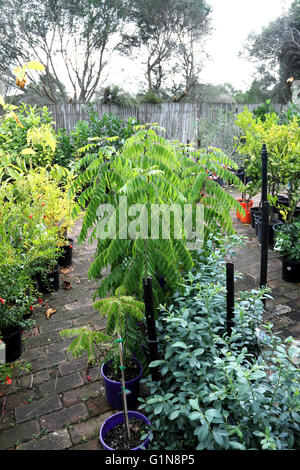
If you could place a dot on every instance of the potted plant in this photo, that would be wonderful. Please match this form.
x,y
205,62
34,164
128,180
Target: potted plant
x,y
117,433
65,258
283,155
42,263
123,313
141,435
17,300
287,243
251,189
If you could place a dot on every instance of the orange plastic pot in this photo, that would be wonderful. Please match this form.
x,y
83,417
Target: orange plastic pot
x,y
247,218
237,213
246,206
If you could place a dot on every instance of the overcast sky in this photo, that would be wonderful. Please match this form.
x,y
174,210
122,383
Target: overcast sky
x,y
232,21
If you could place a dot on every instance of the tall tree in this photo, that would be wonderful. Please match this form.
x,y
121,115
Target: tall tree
x,y
276,51
166,32
74,40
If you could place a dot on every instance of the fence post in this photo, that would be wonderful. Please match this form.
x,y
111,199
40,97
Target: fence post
x,y
265,219
150,322
230,296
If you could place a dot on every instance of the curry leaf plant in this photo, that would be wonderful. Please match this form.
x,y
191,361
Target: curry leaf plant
x,y
214,393
149,170
123,314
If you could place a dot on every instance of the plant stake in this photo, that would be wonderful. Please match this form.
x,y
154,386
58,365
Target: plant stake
x,y
265,219
230,295
150,321
125,410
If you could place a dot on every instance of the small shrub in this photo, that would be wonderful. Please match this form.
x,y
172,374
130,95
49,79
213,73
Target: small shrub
x,y
214,393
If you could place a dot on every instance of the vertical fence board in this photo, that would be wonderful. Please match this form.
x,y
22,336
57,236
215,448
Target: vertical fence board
x,y
178,119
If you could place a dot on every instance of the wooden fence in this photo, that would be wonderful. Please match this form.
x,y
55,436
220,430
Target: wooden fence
x,y
182,121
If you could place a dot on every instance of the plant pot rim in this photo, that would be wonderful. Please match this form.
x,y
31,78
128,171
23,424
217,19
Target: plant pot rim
x,y
127,382
69,241
120,414
55,269
12,330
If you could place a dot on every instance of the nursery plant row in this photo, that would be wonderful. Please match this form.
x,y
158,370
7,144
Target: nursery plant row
x,y
214,390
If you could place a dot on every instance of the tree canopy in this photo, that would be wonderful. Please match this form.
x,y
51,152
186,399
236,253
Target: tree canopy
x,y
276,51
72,39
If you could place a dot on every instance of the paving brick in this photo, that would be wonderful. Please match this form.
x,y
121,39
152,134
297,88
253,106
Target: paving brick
x,y
57,440
34,379
98,405
88,319
66,368
7,419
296,303
65,416
78,394
87,429
37,408
94,374
58,347
57,316
21,433
33,353
62,384
14,400
55,326
79,304
32,332
294,295
48,361
92,444
42,340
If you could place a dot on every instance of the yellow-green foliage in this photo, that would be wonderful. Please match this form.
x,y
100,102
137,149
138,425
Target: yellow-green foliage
x,y
45,191
283,146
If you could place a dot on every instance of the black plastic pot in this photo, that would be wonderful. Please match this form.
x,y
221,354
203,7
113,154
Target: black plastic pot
x,y
290,270
283,200
65,259
271,231
50,282
241,174
12,337
220,182
254,211
297,212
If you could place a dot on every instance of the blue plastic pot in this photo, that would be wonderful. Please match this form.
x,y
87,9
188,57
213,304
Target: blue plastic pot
x,y
113,388
118,418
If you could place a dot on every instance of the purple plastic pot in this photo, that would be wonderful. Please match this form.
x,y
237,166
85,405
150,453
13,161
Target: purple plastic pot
x,y
113,388
117,418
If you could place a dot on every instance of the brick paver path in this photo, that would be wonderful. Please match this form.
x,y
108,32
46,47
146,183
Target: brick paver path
x,y
284,311
55,406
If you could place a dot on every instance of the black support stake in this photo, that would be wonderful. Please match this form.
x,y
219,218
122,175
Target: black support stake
x,y
264,174
265,218
230,296
264,244
150,322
